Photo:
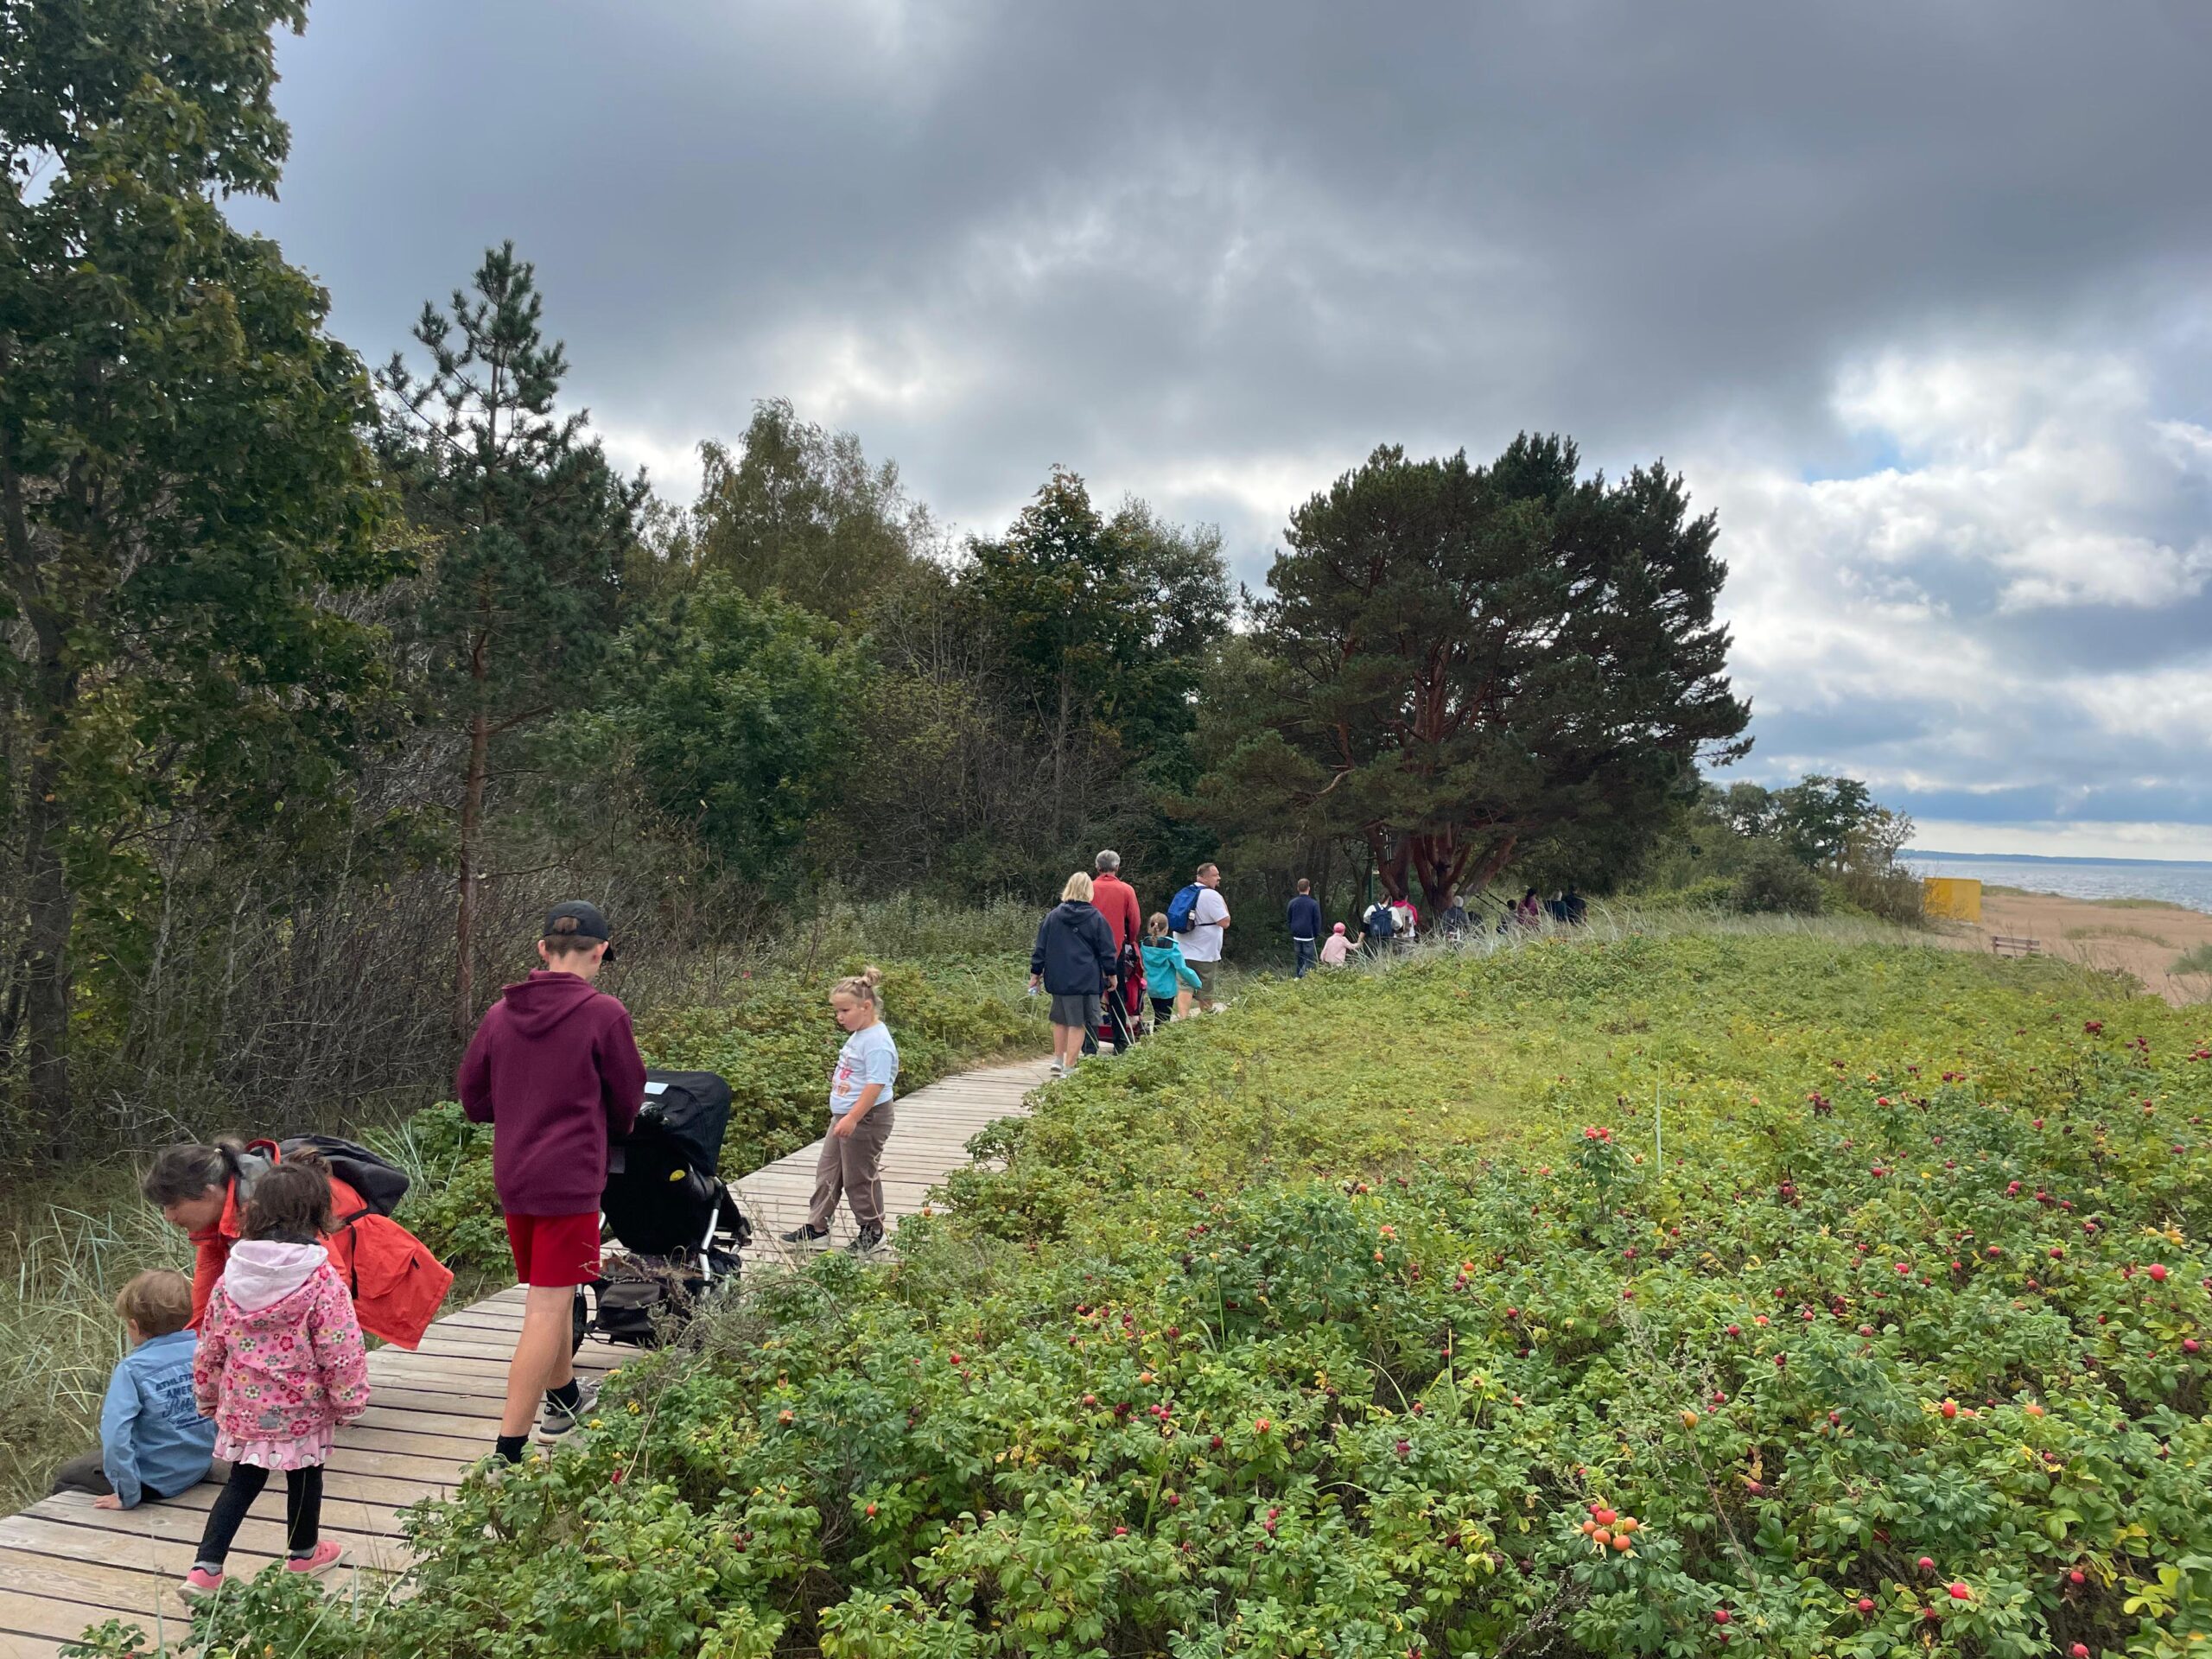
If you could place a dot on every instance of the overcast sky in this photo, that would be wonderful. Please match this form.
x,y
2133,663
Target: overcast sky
x,y
1915,294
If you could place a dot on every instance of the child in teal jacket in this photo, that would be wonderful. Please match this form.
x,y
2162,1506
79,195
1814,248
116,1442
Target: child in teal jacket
x,y
1164,971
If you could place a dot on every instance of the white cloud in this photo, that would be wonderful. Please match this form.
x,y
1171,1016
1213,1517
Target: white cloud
x,y
2002,616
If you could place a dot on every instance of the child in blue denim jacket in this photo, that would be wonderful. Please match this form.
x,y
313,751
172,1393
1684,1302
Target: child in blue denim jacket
x,y
154,1443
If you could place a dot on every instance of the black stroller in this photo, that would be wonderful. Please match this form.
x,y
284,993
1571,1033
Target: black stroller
x,y
675,1224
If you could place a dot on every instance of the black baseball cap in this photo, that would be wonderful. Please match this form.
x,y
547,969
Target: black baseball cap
x,y
578,918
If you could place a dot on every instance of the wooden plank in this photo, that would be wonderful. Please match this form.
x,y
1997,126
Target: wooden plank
x,y
359,1524
41,1616
375,1494
99,1589
168,1549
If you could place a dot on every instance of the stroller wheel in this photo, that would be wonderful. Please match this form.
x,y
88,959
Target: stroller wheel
x,y
579,1320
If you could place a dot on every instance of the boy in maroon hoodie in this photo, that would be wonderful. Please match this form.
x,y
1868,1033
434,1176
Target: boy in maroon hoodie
x,y
555,1070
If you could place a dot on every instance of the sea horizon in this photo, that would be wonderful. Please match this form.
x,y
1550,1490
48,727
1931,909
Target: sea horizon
x,y
2051,858
2186,882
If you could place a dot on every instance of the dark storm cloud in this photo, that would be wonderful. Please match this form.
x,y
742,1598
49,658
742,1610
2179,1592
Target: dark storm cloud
x,y
1213,254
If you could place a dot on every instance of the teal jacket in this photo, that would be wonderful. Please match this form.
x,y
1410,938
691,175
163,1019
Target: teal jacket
x,y
1163,966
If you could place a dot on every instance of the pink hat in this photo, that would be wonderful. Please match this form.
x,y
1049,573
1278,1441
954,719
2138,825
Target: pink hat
x,y
1340,927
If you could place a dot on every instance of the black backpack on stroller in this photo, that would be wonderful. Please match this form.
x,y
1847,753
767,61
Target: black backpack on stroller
x,y
675,1223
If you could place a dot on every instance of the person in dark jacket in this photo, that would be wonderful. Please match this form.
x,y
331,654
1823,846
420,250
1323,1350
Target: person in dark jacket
x,y
555,1070
1073,960
1305,919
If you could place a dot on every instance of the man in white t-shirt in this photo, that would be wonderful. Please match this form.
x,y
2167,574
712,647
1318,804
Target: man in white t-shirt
x,y
1202,944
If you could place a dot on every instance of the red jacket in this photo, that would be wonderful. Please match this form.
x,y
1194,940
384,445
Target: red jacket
x,y
555,1070
1116,901
397,1285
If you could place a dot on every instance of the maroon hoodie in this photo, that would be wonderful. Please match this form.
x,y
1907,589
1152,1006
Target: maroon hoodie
x,y
554,1070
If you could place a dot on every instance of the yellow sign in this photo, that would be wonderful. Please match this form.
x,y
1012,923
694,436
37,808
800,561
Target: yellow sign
x,y
1951,897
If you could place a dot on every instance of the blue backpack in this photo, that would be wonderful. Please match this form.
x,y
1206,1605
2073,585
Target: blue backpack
x,y
1381,924
1183,909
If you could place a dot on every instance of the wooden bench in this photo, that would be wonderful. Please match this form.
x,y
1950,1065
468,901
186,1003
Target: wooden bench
x,y
2011,945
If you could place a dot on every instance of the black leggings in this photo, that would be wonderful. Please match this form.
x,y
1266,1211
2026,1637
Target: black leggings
x,y
303,1511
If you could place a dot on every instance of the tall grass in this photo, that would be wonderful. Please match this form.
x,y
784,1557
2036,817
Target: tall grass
x,y
65,1255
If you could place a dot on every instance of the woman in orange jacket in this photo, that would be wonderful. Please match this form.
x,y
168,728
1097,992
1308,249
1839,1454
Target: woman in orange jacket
x,y
396,1284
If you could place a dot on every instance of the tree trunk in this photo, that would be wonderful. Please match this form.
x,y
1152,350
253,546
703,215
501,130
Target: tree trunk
x,y
52,914
471,822
52,907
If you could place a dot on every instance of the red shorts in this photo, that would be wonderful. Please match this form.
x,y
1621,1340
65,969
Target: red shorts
x,y
554,1252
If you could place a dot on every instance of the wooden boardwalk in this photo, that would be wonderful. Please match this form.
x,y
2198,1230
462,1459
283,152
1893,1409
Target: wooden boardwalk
x,y
65,1566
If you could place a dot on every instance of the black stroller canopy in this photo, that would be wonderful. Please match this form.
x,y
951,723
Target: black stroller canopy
x,y
688,1111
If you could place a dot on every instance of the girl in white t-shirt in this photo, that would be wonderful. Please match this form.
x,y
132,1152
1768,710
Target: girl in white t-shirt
x,y
859,1116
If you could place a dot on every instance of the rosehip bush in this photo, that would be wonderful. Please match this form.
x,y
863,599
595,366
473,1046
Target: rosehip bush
x,y
1277,1337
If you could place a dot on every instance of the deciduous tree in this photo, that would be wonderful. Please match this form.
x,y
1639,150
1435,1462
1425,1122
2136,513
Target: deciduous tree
x,y
181,470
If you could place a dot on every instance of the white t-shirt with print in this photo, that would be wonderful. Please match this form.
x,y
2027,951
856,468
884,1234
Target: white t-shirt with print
x,y
1203,942
869,1056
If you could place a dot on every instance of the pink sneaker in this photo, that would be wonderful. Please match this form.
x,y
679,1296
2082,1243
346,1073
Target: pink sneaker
x,y
200,1582
325,1557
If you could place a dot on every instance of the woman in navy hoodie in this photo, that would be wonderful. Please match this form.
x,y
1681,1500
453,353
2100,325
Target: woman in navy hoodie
x,y
1073,960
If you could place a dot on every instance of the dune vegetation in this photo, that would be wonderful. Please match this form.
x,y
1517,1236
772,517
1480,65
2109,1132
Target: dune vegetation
x,y
1781,1288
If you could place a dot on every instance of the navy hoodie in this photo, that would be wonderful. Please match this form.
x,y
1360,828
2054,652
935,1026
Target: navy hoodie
x,y
1074,951
555,1072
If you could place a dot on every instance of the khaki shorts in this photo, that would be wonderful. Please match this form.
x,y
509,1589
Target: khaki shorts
x,y
1209,975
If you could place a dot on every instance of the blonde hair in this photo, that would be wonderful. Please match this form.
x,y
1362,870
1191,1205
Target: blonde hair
x,y
157,1301
1078,888
862,987
1157,927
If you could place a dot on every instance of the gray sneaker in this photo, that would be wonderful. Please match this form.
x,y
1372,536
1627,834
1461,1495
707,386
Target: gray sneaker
x,y
869,1241
557,1423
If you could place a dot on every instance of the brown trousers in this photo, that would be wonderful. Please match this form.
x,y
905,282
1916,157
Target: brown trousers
x,y
850,1168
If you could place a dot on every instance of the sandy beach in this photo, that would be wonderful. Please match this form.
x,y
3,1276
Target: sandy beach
x,y
2141,937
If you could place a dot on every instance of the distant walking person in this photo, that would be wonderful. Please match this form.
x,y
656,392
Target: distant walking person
x,y
1305,919
1073,959
1116,901
1167,976
280,1364
1205,918
1453,919
1337,949
555,1070
851,1164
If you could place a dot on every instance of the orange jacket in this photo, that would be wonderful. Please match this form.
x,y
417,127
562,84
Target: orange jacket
x,y
397,1285
1116,901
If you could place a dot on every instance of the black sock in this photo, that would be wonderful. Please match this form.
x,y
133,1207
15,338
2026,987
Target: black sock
x,y
510,1446
570,1396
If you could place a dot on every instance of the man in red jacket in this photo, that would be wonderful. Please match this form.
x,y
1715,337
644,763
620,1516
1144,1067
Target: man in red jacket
x,y
1116,901
554,1069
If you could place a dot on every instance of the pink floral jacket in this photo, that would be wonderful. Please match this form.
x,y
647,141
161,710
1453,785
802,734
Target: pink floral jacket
x,y
290,1370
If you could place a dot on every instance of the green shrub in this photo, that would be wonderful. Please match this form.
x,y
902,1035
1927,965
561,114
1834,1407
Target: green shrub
x,y
1814,1260
1775,884
2198,961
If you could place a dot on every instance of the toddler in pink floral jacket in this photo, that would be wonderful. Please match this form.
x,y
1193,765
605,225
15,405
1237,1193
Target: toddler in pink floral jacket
x,y
281,1365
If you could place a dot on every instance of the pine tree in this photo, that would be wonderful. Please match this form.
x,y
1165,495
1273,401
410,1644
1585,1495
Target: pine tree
x,y
521,594
1459,665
